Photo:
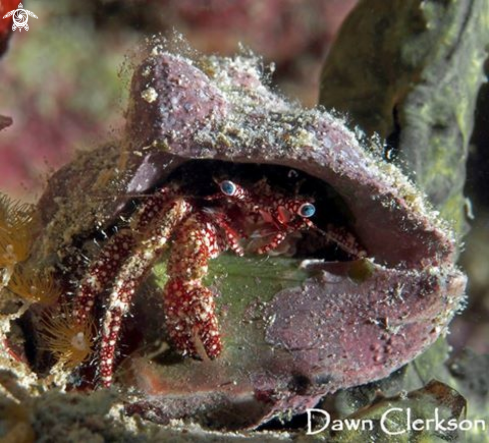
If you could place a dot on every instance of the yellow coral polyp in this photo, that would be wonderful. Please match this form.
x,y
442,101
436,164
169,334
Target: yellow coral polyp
x,y
14,247
36,287
13,212
71,343
17,223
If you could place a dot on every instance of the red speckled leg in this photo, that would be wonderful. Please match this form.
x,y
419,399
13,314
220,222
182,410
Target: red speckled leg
x,y
130,277
232,237
281,231
345,240
190,319
275,241
189,306
103,271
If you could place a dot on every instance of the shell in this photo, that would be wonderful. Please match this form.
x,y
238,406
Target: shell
x,y
331,331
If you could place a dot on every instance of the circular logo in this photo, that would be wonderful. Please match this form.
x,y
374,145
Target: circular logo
x,y
20,16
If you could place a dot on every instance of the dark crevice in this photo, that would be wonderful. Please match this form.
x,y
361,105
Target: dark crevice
x,y
198,178
393,140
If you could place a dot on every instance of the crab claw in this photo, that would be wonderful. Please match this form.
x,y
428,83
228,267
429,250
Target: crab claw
x,y
191,320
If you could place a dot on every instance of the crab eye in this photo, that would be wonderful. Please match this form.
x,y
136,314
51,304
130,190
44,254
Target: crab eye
x,y
228,188
307,210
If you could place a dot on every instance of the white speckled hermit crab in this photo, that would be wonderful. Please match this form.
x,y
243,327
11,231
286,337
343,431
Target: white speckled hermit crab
x,y
199,230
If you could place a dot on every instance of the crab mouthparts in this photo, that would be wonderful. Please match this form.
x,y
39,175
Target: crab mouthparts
x,y
283,215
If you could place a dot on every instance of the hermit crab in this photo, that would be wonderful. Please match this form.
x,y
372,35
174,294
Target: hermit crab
x,y
199,231
212,164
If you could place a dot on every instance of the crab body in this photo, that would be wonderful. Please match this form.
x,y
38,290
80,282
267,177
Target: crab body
x,y
276,215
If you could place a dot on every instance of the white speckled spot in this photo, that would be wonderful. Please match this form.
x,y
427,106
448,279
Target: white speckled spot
x,y
149,94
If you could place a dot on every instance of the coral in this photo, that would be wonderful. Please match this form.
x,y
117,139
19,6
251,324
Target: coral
x,y
34,286
70,342
17,229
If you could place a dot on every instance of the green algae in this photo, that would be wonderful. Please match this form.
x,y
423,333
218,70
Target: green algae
x,y
245,285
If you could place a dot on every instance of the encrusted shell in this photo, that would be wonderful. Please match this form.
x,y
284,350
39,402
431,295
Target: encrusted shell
x,y
332,331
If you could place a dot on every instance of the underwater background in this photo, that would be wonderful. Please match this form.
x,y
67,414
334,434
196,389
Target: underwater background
x,y
407,77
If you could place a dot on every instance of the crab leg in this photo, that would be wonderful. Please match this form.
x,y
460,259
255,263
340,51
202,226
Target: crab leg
x,y
232,237
189,306
190,318
345,241
129,277
118,249
340,236
280,232
102,271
